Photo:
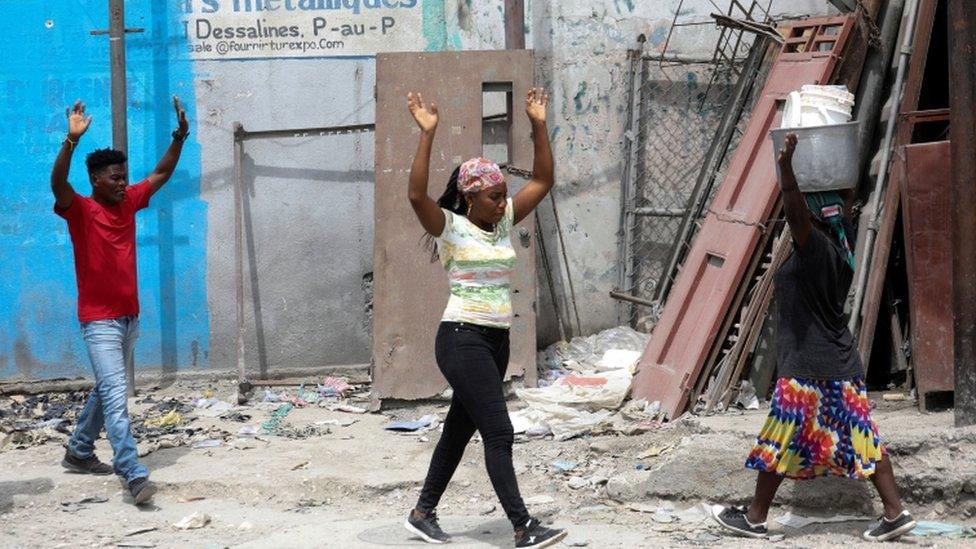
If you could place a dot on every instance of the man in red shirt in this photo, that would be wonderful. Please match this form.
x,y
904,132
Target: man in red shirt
x,y
103,235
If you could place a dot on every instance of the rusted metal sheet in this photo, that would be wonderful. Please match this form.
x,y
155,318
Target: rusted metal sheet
x,y
926,196
410,292
721,252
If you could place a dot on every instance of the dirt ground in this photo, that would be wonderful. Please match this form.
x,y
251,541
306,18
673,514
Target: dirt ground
x,y
352,486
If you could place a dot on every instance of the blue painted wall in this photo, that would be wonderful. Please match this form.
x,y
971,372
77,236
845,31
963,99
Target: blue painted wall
x,y
50,59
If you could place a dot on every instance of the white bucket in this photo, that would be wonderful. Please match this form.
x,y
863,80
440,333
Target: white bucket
x,y
817,106
822,116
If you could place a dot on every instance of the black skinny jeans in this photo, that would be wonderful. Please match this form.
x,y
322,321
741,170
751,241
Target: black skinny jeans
x,y
473,359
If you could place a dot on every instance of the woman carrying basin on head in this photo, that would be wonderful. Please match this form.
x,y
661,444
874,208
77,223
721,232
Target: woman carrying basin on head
x,y
819,421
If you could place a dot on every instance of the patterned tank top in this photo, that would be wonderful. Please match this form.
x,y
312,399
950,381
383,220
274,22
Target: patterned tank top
x,y
479,266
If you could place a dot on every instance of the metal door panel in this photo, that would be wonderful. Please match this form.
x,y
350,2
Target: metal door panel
x,y
926,194
410,292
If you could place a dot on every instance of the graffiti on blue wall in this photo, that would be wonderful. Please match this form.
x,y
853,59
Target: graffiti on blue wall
x,y
53,61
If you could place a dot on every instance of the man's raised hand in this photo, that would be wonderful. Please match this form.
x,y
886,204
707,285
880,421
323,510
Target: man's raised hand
x,y
77,121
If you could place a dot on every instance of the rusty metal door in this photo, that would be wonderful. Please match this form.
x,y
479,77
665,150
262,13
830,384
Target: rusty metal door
x,y
926,194
410,292
716,264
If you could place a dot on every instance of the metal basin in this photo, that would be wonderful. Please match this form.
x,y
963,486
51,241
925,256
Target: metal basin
x,y
826,157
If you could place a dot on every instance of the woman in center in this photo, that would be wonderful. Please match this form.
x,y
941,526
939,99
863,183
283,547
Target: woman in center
x,y
470,225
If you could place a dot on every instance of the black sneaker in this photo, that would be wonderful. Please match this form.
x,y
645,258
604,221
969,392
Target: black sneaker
x,y
887,530
734,519
90,466
142,490
534,534
425,526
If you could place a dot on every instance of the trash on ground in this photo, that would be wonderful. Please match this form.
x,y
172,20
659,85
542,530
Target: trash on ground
x,y
564,465
193,522
930,528
189,499
169,419
426,422
74,506
142,530
334,387
208,443
793,520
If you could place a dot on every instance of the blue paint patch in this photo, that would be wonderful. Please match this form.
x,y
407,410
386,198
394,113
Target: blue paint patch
x,y
54,61
434,26
658,37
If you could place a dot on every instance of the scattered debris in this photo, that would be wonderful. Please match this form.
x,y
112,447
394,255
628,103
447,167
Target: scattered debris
x,y
138,531
426,423
75,506
564,465
301,465
799,521
193,522
189,499
929,528
207,443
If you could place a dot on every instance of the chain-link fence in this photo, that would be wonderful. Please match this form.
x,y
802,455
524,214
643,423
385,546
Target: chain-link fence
x,y
689,117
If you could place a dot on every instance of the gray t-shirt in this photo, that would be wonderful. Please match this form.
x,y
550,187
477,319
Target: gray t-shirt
x,y
812,338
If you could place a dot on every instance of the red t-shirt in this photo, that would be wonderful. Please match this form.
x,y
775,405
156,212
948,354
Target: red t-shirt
x,y
104,241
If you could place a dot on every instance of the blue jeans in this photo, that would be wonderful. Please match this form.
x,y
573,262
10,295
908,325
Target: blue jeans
x,y
110,346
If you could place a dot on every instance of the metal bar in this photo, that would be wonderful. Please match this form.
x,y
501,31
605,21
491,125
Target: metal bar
x,y
128,30
932,115
625,269
862,274
688,59
239,246
713,160
660,212
514,24
248,135
627,297
962,101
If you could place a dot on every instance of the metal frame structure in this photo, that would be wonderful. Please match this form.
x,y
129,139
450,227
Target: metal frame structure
x,y
245,384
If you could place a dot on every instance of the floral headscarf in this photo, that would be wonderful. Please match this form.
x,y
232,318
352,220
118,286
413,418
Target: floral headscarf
x,y
478,174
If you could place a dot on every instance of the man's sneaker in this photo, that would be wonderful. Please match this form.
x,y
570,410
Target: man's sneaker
x,y
89,466
734,519
425,526
142,490
534,534
887,530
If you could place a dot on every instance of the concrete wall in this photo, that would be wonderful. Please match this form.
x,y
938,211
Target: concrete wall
x,y
309,199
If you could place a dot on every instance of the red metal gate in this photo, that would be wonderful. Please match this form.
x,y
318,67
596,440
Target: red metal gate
x,y
720,254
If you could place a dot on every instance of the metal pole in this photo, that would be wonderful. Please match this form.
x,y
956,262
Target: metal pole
x,y
116,40
625,269
895,107
962,132
120,139
876,69
239,247
514,24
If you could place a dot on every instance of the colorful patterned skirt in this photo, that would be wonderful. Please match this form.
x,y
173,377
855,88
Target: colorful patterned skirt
x,y
818,428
